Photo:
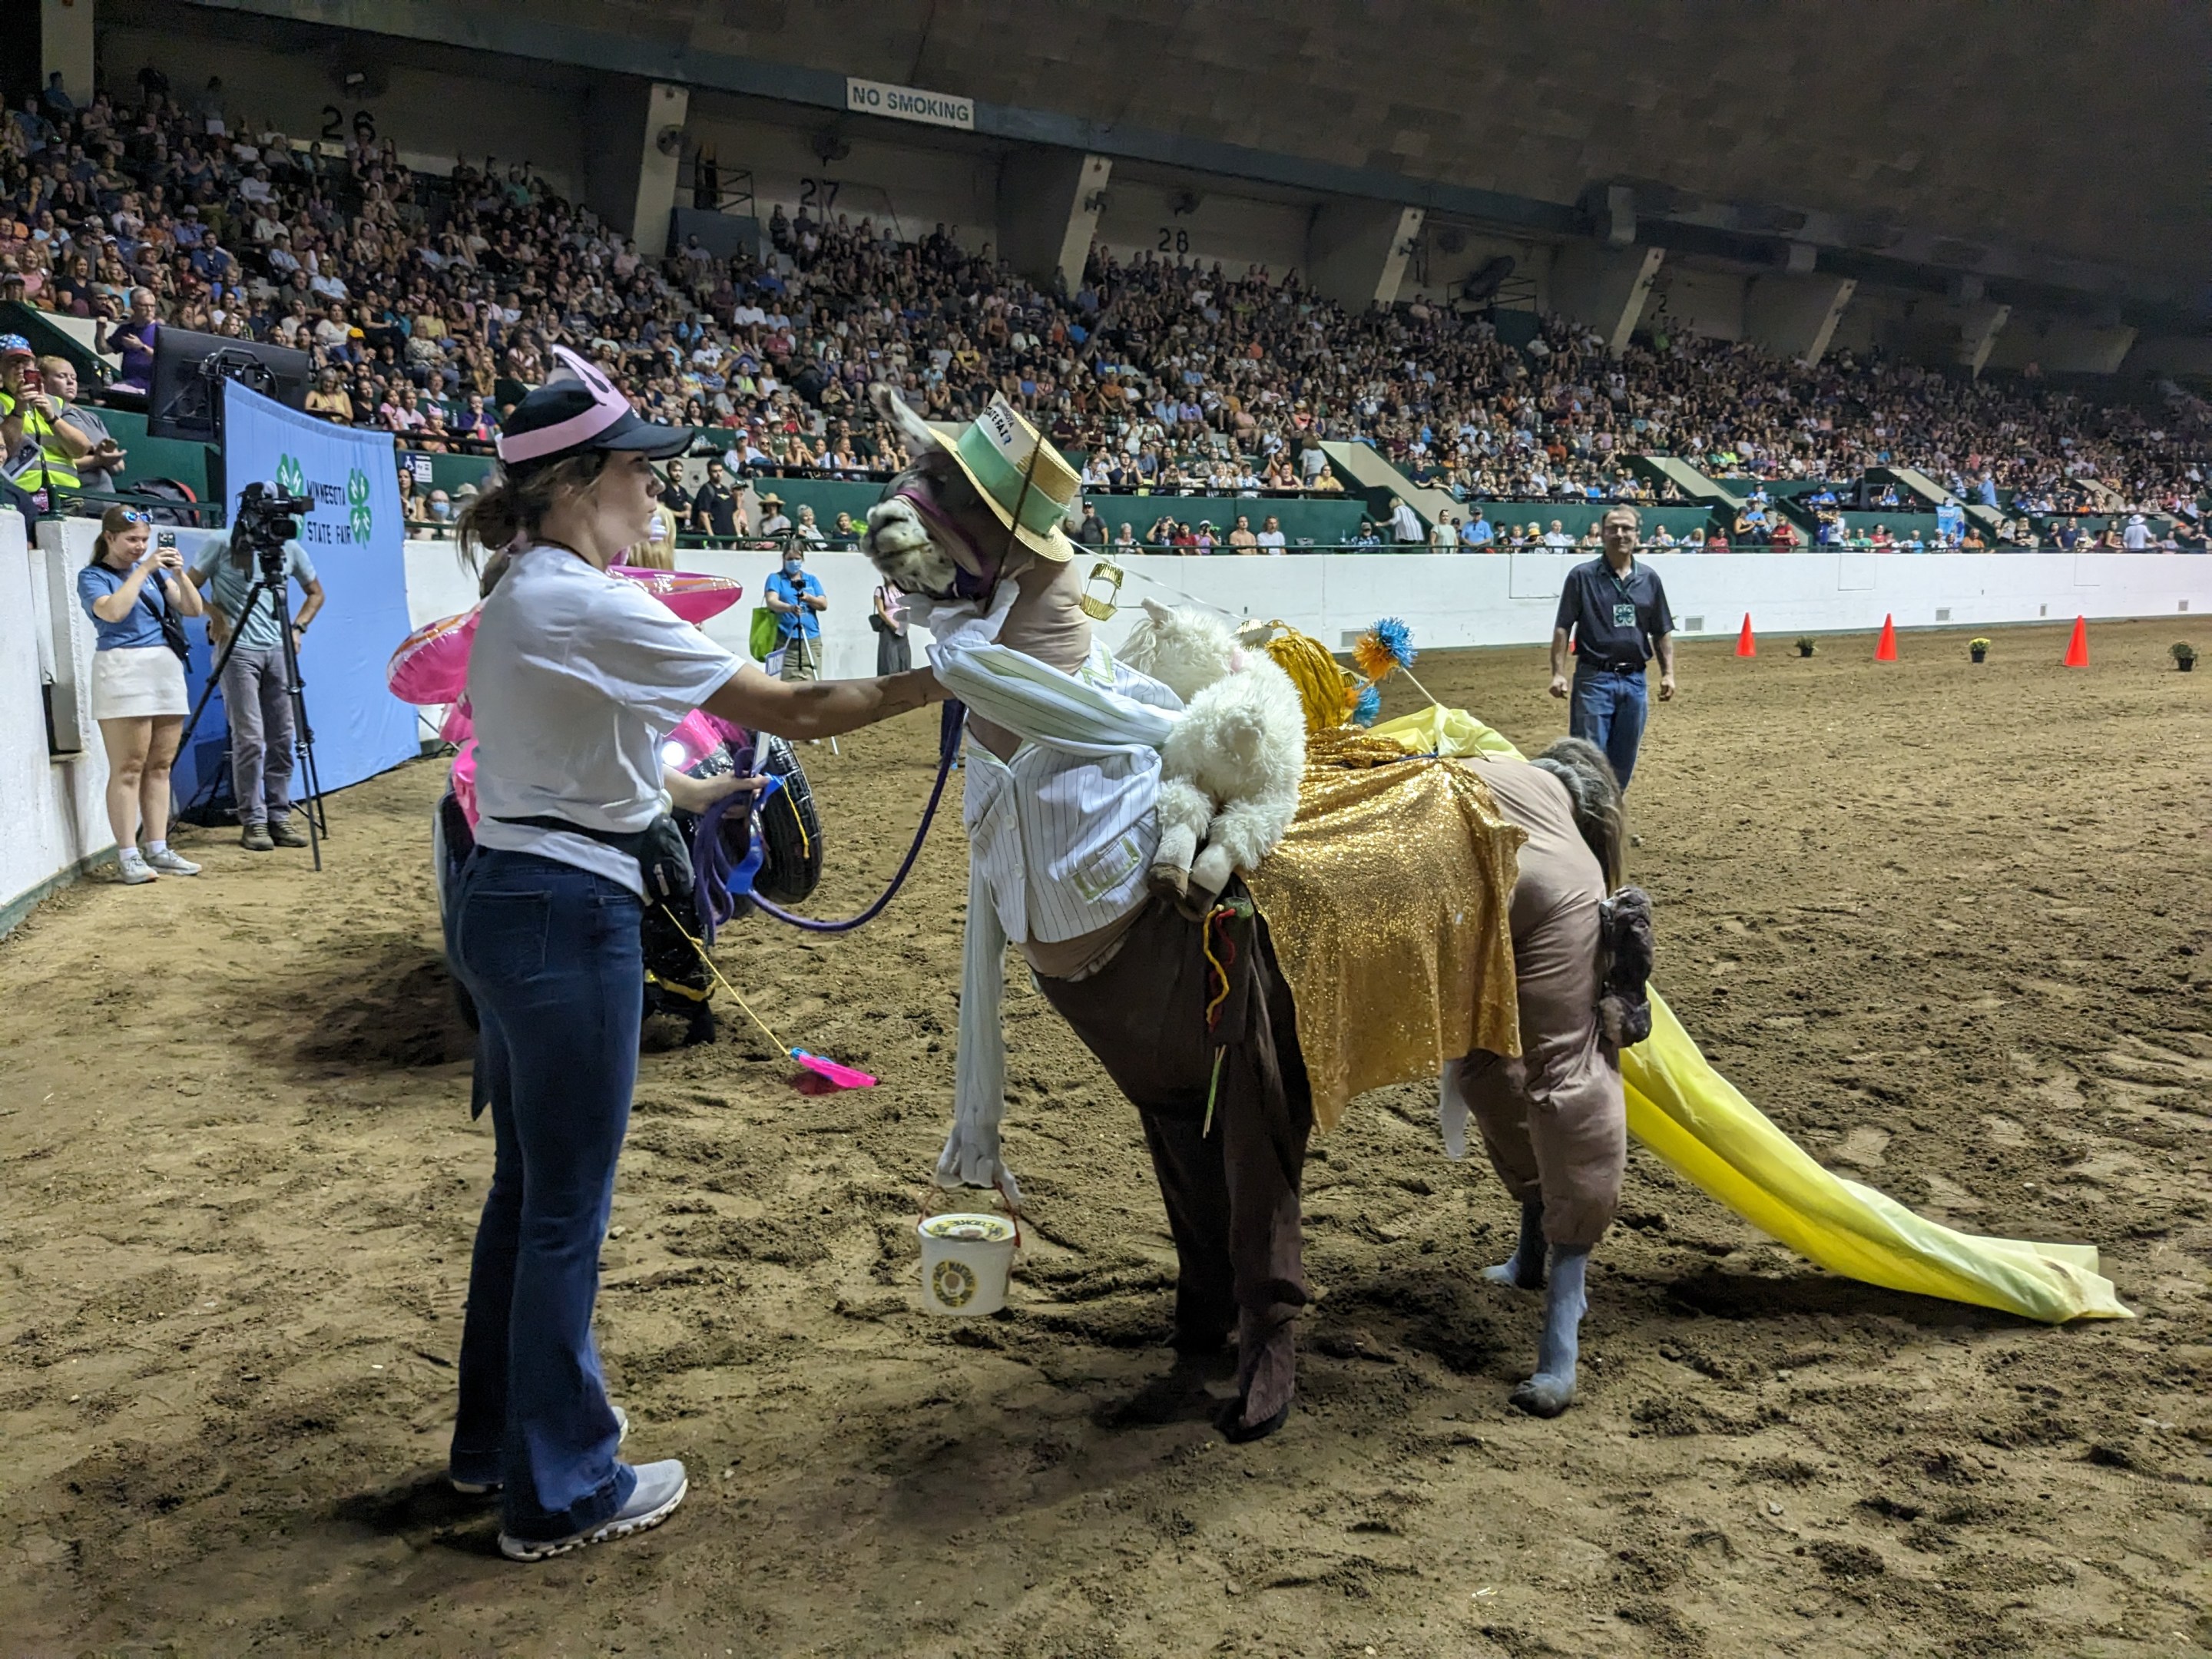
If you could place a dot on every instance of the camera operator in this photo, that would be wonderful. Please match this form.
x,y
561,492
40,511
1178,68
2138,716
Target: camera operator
x,y
257,683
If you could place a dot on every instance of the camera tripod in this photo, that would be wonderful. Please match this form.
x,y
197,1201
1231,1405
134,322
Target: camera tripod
x,y
272,579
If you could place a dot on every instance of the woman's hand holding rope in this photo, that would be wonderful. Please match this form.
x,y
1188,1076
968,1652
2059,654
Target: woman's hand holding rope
x,y
694,795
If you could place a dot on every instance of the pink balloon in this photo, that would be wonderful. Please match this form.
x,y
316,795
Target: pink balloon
x,y
693,597
432,664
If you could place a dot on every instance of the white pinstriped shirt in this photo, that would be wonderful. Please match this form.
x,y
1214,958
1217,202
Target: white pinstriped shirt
x,y
1062,836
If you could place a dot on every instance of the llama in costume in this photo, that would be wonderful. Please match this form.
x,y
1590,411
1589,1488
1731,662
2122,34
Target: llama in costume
x,y
1438,906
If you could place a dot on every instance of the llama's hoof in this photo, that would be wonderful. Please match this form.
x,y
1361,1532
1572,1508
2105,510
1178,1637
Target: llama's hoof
x,y
1544,1396
1170,881
1229,1421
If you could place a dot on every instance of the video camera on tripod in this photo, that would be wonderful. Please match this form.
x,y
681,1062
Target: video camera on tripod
x,y
266,520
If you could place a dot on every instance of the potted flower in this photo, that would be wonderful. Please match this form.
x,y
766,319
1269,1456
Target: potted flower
x,y
2184,655
1805,646
1979,649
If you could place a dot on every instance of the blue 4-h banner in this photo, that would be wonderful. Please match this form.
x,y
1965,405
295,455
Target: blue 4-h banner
x,y
356,542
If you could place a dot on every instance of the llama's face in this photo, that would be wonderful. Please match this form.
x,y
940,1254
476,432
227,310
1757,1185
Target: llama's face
x,y
931,532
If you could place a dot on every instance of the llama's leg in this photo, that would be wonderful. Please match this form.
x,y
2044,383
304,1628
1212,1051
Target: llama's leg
x,y
1524,1268
1210,871
1142,1016
1188,1163
1184,811
1577,1121
1494,1090
1237,838
1265,1119
1552,1389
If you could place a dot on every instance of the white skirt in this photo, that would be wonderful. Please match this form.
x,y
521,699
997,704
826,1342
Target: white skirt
x,y
138,681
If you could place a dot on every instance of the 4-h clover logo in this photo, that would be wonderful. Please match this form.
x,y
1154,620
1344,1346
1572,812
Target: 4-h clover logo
x,y
363,516
291,477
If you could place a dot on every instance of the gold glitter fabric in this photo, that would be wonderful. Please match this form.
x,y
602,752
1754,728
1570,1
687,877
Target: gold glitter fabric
x,y
1388,903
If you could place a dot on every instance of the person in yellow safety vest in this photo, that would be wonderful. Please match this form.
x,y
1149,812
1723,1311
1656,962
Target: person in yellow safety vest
x,y
27,418
80,443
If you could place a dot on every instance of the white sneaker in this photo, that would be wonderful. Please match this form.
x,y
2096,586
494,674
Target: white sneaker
x,y
660,1488
170,862
133,868
486,1488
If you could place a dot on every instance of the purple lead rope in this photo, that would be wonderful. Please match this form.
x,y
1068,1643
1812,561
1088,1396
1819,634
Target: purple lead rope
x,y
722,875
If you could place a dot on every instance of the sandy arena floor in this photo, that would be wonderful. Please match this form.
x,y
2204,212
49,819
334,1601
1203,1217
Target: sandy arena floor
x,y
1951,926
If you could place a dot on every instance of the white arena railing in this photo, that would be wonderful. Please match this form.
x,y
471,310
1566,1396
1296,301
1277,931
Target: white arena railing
x,y
53,826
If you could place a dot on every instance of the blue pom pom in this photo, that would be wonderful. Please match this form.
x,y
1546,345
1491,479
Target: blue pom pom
x,y
1368,708
1397,639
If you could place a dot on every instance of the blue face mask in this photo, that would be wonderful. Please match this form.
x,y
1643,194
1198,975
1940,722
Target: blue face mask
x,y
792,567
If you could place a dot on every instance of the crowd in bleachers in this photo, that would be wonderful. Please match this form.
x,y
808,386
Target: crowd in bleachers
x,y
428,303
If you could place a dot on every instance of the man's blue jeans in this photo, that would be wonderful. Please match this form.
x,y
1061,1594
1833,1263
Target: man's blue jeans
x,y
552,956
1609,709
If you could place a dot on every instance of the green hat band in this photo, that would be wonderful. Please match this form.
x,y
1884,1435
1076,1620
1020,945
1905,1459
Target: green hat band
x,y
1002,481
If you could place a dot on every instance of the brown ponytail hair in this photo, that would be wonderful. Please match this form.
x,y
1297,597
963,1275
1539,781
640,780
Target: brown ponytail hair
x,y
512,506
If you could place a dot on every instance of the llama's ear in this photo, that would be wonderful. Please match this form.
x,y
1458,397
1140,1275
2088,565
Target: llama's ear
x,y
901,413
1159,612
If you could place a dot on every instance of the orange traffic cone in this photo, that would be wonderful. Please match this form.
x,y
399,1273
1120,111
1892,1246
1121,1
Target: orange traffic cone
x,y
1745,645
2077,648
1885,650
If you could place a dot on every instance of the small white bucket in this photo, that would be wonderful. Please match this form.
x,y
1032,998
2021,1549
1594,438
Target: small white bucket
x,y
965,1262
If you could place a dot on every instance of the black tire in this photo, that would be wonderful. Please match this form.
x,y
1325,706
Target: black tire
x,y
791,830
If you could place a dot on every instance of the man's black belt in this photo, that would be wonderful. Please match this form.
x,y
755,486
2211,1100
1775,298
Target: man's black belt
x,y
1595,666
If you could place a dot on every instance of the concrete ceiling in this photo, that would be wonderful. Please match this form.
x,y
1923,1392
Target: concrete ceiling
x,y
2065,143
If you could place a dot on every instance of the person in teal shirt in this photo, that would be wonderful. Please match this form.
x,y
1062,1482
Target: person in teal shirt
x,y
256,684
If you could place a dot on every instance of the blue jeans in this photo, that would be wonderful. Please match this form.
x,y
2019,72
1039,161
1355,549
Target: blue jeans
x,y
553,957
1609,709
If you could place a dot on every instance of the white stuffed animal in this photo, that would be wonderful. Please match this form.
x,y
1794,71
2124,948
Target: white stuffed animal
x,y
1229,769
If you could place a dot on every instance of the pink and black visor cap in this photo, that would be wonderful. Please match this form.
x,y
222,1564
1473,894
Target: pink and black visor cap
x,y
577,409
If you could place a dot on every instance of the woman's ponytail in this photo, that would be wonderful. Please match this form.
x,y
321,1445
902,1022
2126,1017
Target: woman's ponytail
x,y
512,506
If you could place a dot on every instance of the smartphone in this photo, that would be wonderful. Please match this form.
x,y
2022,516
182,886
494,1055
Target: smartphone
x,y
34,381
166,539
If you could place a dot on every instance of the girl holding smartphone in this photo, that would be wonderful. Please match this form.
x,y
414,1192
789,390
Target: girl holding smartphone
x,y
130,589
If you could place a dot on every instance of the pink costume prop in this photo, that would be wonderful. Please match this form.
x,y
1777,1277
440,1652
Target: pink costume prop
x,y
431,668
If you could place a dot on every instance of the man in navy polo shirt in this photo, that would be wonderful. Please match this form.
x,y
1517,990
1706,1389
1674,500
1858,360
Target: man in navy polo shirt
x,y
1617,612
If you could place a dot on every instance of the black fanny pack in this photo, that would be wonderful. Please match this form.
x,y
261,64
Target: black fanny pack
x,y
664,857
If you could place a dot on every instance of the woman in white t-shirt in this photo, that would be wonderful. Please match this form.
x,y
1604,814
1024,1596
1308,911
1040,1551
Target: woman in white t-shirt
x,y
574,680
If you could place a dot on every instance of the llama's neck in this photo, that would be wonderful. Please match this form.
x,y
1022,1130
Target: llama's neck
x,y
1046,622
